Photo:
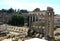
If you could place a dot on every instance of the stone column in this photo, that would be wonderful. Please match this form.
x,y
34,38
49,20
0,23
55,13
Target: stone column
x,y
35,18
29,21
51,26
46,25
32,18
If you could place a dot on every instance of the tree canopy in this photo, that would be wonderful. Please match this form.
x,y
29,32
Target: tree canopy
x,y
17,20
11,10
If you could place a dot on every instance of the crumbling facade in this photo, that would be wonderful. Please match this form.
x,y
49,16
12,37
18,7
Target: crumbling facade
x,y
47,17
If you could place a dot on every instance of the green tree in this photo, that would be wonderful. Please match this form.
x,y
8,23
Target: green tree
x,y
17,20
23,11
11,10
3,10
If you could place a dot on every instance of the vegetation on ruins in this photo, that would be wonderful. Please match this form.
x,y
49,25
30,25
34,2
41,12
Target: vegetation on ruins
x,y
14,17
23,40
17,20
15,40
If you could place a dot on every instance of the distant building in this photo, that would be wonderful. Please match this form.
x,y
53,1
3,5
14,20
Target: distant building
x,y
57,20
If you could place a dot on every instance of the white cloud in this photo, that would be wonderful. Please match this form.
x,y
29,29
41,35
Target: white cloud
x,y
29,6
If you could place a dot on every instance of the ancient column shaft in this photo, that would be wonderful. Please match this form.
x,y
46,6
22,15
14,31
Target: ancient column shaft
x,y
51,26
46,25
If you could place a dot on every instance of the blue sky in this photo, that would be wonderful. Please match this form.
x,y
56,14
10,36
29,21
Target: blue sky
x,y
30,4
